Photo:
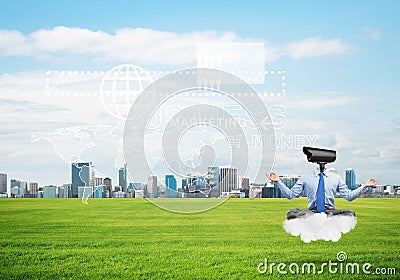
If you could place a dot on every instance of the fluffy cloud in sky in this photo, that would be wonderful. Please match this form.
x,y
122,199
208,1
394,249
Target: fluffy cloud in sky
x,y
371,33
148,46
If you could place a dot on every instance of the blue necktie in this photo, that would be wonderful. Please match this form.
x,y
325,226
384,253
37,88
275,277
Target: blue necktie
x,y
321,194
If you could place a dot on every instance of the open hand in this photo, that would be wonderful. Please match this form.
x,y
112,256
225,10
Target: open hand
x,y
273,176
371,182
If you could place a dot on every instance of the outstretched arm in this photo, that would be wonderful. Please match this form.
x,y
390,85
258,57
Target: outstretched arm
x,y
295,191
350,195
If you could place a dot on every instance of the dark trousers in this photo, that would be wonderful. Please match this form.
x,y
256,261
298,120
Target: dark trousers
x,y
296,212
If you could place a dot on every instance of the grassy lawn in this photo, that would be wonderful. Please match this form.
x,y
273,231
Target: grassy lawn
x,y
133,239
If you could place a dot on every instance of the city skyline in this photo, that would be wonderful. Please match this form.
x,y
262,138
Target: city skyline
x,y
83,173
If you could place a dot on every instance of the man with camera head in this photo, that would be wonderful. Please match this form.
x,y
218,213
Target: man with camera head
x,y
320,186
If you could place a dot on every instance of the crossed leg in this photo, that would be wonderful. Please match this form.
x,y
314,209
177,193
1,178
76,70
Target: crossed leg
x,y
297,212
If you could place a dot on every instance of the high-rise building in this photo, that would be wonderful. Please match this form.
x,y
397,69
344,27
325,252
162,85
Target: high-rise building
x,y
15,191
50,191
170,182
33,188
184,183
98,181
227,179
213,176
82,176
244,186
108,187
171,188
3,183
98,192
20,184
162,190
213,180
122,178
152,189
108,182
130,193
105,191
351,178
243,182
68,188
63,191
85,192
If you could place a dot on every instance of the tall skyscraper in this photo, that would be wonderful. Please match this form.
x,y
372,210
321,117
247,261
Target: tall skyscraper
x,y
184,183
122,178
171,188
98,181
227,179
351,178
3,183
170,182
63,191
108,187
243,183
82,176
67,190
108,182
152,189
33,188
213,180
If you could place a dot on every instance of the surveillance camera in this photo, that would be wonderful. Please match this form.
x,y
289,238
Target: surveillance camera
x,y
319,155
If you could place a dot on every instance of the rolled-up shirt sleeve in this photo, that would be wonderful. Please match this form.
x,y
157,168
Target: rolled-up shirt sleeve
x,y
348,194
295,191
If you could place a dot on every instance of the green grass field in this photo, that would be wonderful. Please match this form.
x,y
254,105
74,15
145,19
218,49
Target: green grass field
x,y
133,239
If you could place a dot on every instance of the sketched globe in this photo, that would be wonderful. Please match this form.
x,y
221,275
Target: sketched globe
x,y
121,86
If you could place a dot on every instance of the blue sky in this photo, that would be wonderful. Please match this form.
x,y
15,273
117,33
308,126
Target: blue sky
x,y
342,51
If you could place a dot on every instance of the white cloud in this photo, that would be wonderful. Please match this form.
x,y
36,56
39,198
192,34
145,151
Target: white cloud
x,y
14,43
320,226
141,45
315,47
390,154
370,33
320,101
148,46
75,40
344,142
